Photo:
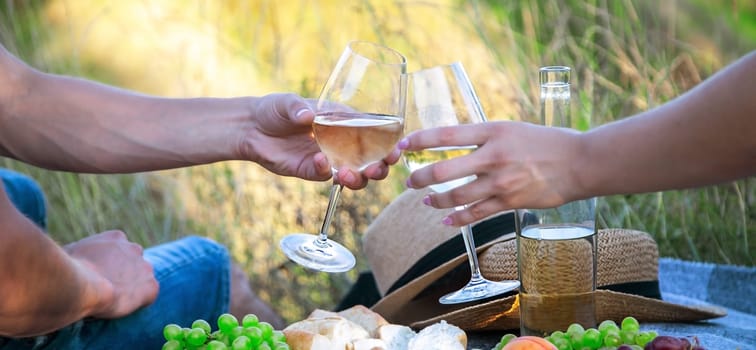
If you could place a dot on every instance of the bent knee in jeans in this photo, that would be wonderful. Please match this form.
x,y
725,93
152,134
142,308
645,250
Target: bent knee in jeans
x,y
194,278
26,195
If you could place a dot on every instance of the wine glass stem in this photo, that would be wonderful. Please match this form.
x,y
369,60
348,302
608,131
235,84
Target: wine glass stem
x,y
467,236
333,199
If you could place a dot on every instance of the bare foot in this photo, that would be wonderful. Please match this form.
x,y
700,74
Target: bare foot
x,y
244,301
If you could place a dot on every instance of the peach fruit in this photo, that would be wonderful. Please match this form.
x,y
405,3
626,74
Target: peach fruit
x,y
529,343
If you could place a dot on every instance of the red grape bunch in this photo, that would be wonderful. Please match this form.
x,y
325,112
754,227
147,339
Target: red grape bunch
x,y
665,342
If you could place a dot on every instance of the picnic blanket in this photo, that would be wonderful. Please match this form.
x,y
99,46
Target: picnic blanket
x,y
728,286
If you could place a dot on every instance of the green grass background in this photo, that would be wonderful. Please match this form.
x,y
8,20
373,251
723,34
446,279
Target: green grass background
x,y
627,56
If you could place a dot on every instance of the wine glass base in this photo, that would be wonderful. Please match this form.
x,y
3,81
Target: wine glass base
x,y
305,250
479,289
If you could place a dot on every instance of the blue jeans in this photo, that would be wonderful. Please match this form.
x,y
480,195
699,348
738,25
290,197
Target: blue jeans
x,y
194,278
26,195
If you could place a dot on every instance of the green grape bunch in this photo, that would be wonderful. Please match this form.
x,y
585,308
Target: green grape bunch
x,y
250,334
608,336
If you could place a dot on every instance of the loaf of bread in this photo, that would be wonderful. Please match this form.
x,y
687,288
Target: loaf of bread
x,y
364,317
359,328
359,314
301,339
340,331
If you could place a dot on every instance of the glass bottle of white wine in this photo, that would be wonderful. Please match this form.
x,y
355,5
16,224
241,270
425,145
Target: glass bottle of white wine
x,y
556,247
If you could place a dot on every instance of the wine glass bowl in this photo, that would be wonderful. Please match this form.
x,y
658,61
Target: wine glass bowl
x,y
356,140
359,118
419,159
443,96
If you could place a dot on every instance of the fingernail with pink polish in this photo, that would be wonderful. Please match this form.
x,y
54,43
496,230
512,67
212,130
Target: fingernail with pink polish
x,y
409,183
447,221
403,144
349,177
427,200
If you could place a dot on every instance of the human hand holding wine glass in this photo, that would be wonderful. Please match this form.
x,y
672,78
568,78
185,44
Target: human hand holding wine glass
x,y
444,96
359,118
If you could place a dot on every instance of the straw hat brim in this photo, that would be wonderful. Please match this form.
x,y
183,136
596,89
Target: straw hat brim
x,y
407,239
504,313
627,259
416,303
394,303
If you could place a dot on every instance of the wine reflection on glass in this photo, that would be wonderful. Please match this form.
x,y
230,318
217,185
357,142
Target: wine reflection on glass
x,y
443,96
359,118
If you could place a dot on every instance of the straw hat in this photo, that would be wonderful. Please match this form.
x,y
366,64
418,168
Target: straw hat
x,y
415,259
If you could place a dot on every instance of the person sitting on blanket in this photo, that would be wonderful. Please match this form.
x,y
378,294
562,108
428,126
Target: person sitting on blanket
x,y
104,290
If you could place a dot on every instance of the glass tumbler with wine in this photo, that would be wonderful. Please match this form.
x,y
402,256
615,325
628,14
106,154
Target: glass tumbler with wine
x,y
443,96
359,118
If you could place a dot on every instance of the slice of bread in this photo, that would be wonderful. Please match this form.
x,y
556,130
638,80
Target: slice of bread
x,y
439,336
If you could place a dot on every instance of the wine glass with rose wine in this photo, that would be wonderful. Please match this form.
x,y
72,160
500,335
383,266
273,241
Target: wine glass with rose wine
x,y
359,118
443,96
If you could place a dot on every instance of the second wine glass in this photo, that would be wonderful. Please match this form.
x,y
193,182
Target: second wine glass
x,y
443,96
359,117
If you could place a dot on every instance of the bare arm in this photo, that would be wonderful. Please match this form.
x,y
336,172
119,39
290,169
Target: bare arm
x,y
704,137
43,287
70,292
71,124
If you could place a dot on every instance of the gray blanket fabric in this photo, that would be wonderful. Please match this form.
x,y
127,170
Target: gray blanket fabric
x,y
731,287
